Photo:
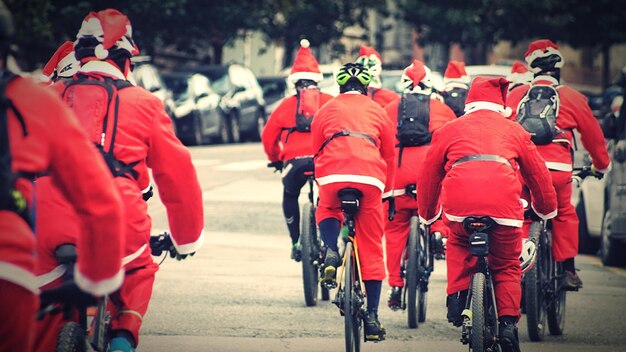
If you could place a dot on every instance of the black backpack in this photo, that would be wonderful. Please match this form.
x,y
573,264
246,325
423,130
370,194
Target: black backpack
x,y
455,99
537,113
413,122
111,87
10,198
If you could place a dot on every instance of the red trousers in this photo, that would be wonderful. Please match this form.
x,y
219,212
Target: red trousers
x,y
369,224
565,224
18,308
127,306
397,234
505,246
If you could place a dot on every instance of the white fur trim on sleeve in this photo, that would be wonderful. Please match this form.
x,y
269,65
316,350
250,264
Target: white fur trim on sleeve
x,y
430,221
544,216
608,168
189,247
19,276
101,287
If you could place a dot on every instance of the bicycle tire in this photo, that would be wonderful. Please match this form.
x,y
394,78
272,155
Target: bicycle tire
x,y
352,339
478,338
556,309
534,282
426,256
308,245
325,294
413,265
71,338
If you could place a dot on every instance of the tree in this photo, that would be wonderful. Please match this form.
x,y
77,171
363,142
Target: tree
x,y
319,21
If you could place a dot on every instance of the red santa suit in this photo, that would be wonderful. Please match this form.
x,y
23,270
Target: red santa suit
x,y
362,160
472,169
50,140
397,231
574,113
382,96
144,138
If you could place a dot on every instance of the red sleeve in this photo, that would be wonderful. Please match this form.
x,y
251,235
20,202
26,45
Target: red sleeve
x,y
317,129
536,175
440,114
388,152
272,131
176,180
513,99
430,177
81,175
590,131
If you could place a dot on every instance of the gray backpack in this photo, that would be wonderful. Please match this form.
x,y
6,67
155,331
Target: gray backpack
x,y
537,113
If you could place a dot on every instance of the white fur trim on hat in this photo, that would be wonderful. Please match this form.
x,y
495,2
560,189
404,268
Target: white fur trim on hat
x,y
463,79
487,105
313,76
540,53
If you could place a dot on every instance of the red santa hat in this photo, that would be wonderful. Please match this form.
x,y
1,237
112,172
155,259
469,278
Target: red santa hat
x,y
368,51
455,76
305,65
519,73
112,30
540,49
415,74
488,94
62,62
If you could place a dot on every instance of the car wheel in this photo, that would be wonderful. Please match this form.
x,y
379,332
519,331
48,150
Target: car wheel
x,y
234,130
586,243
611,250
223,134
260,124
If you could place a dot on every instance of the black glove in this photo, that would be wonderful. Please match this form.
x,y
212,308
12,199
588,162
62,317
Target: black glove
x,y
278,165
174,254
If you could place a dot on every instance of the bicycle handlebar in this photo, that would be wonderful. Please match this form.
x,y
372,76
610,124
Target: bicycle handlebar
x,y
160,243
392,208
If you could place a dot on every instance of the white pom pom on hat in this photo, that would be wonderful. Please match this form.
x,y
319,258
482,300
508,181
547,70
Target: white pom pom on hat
x,y
100,52
507,111
305,43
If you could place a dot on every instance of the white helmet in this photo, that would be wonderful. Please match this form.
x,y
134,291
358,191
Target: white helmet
x,y
528,255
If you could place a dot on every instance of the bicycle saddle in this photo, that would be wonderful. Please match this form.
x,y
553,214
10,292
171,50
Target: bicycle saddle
x,y
474,224
65,253
411,190
350,199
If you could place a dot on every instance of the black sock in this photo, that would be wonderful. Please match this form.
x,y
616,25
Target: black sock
x,y
329,230
291,211
372,289
568,265
508,320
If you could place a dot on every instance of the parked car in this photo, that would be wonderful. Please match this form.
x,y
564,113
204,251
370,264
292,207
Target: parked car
x,y
274,90
198,118
241,100
146,75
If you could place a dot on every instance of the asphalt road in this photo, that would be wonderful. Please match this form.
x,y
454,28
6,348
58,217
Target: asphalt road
x,y
241,292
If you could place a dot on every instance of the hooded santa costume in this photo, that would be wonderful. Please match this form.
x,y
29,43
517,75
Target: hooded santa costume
x,y
371,59
472,168
456,83
573,113
397,231
138,135
283,142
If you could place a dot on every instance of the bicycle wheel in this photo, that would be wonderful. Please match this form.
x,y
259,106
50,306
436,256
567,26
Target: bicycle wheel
x,y
71,338
353,340
556,309
478,338
426,258
310,253
413,267
534,282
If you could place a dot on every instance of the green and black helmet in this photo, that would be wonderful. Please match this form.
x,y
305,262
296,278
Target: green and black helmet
x,y
353,76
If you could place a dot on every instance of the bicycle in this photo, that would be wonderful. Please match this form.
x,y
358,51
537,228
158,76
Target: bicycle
x,y
313,250
91,332
480,316
351,295
416,266
544,297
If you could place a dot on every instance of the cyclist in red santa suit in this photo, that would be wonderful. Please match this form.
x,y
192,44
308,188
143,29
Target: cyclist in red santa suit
x,y
40,134
354,143
472,168
416,116
373,62
133,133
456,83
545,61
62,64
287,136
519,76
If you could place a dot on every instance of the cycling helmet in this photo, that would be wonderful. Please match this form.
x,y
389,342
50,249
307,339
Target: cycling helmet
x,y
528,255
353,76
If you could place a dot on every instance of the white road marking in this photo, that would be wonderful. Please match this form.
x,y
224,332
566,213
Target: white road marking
x,y
250,190
206,162
243,165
